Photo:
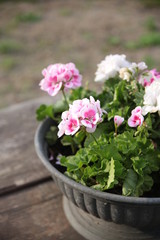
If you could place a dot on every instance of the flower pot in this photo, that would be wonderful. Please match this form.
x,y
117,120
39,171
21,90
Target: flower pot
x,y
100,215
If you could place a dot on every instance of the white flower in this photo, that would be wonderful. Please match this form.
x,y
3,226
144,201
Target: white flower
x,y
125,74
110,67
152,98
137,68
130,72
141,66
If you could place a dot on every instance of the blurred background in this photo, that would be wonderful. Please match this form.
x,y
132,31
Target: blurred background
x,y
34,34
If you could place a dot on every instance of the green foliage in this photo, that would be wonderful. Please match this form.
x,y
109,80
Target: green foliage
x,y
28,17
122,99
150,39
139,96
52,111
125,161
44,111
66,12
114,41
81,93
147,40
8,46
151,24
151,3
8,63
150,62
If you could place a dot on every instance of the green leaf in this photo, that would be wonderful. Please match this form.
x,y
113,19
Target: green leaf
x,y
111,177
119,93
105,165
153,161
110,84
101,181
125,142
79,136
69,162
139,95
80,93
67,141
129,185
44,111
147,184
59,107
139,164
101,129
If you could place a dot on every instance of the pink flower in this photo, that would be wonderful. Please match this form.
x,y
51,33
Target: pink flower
x,y
68,126
148,77
90,118
58,76
75,78
118,120
155,73
137,110
72,125
62,128
136,118
82,113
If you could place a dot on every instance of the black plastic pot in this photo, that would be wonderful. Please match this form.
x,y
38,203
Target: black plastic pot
x,y
100,215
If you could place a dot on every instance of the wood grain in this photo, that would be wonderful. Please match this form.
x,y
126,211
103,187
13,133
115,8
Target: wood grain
x,y
30,203
35,213
19,164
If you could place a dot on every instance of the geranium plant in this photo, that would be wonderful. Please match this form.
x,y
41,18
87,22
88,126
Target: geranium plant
x,y
109,141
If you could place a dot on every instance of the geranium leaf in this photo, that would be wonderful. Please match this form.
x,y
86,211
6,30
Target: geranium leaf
x,y
44,111
129,185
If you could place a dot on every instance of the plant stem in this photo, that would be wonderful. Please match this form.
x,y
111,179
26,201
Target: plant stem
x,y
94,138
73,149
115,134
65,98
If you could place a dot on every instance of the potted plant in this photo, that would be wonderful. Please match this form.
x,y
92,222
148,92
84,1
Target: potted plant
x,y
103,149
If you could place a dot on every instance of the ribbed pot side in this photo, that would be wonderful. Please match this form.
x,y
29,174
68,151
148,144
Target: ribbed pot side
x,y
121,215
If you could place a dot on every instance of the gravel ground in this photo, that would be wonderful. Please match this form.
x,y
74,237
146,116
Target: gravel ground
x,y
34,34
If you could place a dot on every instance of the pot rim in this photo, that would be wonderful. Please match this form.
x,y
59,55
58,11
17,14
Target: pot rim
x,y
40,145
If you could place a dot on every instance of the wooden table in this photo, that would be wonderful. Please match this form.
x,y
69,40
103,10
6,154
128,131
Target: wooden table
x,y
30,203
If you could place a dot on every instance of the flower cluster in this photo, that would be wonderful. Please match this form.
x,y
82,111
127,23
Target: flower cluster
x,y
110,66
60,76
117,65
82,113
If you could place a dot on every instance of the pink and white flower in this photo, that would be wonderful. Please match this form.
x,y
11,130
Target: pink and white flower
x,y
62,128
82,113
58,76
72,125
90,117
118,120
149,77
136,118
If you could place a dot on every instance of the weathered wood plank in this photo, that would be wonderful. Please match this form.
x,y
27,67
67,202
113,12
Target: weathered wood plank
x,y
35,213
19,164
